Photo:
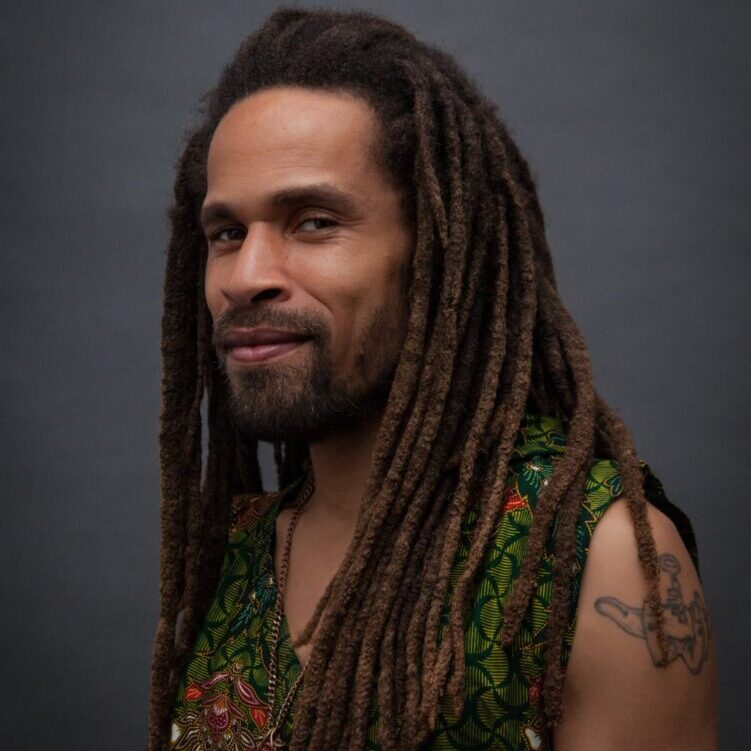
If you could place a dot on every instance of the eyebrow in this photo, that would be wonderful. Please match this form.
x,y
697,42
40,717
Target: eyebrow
x,y
315,193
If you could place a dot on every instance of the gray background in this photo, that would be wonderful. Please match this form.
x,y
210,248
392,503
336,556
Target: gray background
x,y
634,118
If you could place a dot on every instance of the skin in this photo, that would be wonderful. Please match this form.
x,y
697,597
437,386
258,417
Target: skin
x,y
341,278
314,265
616,693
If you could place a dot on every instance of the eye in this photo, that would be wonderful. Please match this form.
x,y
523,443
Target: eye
x,y
316,220
218,236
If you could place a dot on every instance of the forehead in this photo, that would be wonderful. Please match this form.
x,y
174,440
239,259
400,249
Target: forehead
x,y
282,130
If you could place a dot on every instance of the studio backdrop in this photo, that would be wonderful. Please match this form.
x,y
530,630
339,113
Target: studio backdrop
x,y
633,117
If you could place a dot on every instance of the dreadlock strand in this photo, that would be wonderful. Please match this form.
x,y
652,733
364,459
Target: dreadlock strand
x,y
178,386
563,476
489,509
565,541
467,372
636,501
446,563
565,553
195,512
443,578
428,534
426,146
551,357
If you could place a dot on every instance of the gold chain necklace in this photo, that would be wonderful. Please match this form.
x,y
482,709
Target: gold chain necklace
x,y
272,741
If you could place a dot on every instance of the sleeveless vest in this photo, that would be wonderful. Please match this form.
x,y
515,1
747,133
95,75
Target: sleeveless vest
x,y
222,701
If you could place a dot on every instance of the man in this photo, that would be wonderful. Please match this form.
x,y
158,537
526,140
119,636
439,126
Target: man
x,y
465,550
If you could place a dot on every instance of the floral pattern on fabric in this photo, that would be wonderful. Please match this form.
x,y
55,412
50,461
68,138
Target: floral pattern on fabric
x,y
222,701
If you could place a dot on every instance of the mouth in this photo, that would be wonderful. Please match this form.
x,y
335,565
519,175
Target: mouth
x,y
249,354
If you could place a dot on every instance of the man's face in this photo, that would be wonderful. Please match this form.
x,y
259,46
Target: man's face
x,y
304,234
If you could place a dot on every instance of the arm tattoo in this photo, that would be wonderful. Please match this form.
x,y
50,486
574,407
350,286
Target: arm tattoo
x,y
686,624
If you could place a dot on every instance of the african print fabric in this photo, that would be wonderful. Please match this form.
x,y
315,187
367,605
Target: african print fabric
x,y
222,700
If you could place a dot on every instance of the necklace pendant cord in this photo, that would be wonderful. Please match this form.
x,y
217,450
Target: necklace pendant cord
x,y
271,742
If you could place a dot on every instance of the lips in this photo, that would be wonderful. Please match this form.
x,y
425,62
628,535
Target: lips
x,y
261,336
263,352
257,345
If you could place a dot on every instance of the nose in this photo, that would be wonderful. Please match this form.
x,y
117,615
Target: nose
x,y
259,269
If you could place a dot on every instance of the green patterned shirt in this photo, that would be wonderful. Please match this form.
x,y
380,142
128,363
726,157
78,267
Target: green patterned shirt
x,y
222,700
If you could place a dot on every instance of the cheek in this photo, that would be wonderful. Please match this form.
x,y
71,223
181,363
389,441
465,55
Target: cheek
x,y
347,301
366,313
338,283
347,306
212,289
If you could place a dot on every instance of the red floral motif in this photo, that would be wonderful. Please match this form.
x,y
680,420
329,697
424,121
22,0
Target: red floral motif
x,y
193,692
514,500
219,725
258,710
220,712
260,716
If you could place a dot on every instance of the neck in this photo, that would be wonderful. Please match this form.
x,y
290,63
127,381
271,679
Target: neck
x,y
341,465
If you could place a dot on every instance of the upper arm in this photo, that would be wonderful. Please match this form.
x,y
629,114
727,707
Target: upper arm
x,y
617,691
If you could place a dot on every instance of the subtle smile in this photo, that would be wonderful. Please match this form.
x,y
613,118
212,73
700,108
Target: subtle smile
x,y
263,352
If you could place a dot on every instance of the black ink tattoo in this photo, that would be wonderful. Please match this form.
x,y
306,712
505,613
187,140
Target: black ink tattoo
x,y
687,628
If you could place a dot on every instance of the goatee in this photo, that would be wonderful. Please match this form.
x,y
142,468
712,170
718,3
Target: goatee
x,y
300,397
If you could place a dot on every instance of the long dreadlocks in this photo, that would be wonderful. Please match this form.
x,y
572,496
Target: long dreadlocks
x,y
488,338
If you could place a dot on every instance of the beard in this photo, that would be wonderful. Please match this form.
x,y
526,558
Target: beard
x,y
302,397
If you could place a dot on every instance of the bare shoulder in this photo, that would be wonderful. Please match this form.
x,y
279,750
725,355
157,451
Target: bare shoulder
x,y
620,689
